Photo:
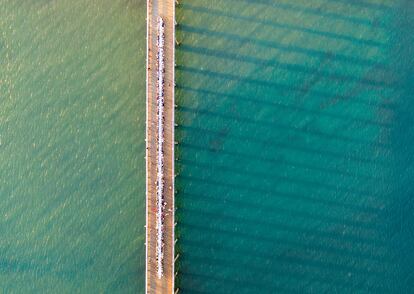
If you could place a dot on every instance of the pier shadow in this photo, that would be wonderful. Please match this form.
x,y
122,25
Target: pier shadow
x,y
290,28
285,163
322,11
316,72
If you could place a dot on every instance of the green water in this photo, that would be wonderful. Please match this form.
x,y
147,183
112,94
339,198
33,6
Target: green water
x,y
295,169
295,146
72,128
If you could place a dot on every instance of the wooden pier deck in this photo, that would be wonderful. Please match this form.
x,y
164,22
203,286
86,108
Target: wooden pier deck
x,y
165,284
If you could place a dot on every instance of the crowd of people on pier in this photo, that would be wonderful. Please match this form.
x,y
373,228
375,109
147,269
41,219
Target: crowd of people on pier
x,y
160,152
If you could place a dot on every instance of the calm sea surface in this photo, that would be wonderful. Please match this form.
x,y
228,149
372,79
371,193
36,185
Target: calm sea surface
x,y
296,145
72,128
296,155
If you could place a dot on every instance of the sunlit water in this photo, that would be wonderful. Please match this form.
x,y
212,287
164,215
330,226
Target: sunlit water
x,y
295,133
295,169
72,125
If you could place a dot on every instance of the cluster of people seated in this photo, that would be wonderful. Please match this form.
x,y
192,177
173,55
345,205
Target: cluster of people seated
x,y
160,153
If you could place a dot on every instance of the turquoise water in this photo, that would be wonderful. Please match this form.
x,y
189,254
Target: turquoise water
x,y
295,156
72,129
295,163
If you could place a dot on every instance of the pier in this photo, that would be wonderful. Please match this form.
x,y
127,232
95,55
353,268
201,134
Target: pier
x,y
160,255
